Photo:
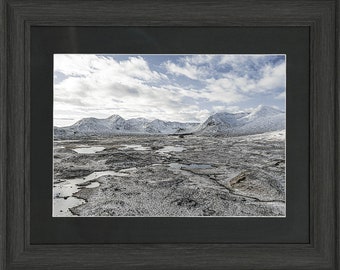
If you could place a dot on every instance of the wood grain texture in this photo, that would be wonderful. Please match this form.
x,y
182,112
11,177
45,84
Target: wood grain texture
x,y
322,135
171,13
3,134
16,131
319,15
27,131
337,133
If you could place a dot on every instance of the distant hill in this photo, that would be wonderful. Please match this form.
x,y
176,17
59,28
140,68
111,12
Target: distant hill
x,y
260,120
115,124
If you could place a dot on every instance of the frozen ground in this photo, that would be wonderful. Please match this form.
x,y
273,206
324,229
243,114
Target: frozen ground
x,y
170,176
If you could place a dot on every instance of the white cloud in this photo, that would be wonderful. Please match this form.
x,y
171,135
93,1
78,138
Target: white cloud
x,y
186,69
273,77
102,66
74,65
99,86
282,95
230,109
223,90
199,59
248,73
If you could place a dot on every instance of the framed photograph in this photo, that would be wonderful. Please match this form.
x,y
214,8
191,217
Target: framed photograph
x,y
169,135
143,166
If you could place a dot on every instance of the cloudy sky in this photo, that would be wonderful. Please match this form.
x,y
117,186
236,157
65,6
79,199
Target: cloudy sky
x,y
168,87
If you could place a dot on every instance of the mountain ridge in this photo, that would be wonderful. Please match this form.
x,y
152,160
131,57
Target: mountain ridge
x,y
261,119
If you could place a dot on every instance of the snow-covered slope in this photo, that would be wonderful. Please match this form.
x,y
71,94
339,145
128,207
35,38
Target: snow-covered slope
x,y
118,125
263,111
94,125
262,119
159,126
220,122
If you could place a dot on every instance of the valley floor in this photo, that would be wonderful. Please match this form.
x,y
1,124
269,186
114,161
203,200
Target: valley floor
x,y
170,176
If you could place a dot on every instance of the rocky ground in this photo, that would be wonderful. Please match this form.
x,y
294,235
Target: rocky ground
x,y
174,176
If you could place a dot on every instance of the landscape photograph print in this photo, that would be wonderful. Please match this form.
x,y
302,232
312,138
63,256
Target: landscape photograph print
x,y
169,135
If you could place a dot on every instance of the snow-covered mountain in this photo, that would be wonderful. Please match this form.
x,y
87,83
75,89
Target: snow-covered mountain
x,y
115,124
262,119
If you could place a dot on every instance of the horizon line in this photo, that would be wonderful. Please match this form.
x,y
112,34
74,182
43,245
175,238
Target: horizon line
x,y
172,121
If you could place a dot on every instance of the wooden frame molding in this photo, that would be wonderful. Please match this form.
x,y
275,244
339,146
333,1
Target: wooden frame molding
x,y
320,16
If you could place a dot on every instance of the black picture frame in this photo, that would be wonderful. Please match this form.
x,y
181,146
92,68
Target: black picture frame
x,y
321,17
